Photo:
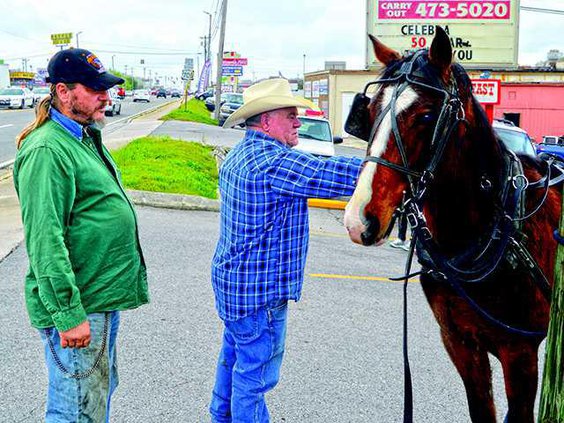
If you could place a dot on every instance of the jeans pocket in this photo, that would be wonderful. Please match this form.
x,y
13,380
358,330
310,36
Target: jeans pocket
x,y
246,328
278,312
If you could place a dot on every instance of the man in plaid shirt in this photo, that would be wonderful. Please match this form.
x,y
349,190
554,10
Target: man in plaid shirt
x,y
259,260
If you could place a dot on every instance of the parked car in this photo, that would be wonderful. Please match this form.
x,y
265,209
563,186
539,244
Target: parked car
x,y
230,103
16,97
161,93
210,101
315,136
513,137
114,106
141,95
204,95
39,93
551,145
175,92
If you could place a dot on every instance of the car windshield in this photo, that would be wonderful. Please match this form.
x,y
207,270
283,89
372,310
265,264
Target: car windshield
x,y
519,142
314,129
41,90
234,98
11,91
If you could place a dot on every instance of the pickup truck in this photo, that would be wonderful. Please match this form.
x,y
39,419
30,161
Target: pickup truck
x,y
552,145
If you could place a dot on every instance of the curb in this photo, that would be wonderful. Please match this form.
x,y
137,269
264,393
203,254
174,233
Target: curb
x,y
193,202
327,204
151,110
173,201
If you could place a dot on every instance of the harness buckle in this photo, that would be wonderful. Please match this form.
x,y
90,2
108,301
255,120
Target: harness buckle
x,y
523,184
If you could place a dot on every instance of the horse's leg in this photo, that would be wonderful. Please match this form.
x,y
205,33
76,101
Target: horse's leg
x,y
520,371
473,365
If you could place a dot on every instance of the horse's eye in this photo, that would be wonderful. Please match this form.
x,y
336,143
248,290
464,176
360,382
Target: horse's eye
x,y
427,118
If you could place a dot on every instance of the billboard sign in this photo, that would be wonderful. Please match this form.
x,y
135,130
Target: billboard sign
x,y
61,39
483,33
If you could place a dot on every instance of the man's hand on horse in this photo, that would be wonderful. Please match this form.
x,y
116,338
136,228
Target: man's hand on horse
x,y
77,337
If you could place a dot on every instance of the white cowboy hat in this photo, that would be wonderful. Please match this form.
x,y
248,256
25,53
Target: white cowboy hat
x,y
265,96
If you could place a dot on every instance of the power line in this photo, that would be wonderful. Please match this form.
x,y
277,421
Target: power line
x,y
184,53
541,10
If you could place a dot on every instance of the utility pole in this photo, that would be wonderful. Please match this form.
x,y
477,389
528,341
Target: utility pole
x,y
77,34
220,59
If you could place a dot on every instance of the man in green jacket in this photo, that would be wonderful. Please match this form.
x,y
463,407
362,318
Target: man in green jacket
x,y
85,261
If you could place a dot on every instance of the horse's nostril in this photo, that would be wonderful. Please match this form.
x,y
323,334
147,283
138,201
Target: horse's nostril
x,y
368,237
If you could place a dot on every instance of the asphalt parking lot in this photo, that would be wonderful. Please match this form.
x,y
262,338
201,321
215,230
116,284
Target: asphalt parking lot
x,y
343,355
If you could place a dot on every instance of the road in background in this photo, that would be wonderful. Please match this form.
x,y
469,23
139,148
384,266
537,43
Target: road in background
x,y
343,360
13,121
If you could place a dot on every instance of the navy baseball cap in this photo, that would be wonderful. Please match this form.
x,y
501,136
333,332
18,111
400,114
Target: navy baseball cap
x,y
76,65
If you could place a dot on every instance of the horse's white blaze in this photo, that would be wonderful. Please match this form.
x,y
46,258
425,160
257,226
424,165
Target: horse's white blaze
x,y
355,222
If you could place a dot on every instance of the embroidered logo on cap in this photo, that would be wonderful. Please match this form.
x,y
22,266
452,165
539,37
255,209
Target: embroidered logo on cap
x,y
95,63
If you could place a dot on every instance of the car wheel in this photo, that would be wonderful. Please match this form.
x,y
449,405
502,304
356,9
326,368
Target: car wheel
x,y
111,112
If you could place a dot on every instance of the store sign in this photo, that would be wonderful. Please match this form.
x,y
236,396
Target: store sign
x,y
483,33
235,61
22,75
487,91
232,70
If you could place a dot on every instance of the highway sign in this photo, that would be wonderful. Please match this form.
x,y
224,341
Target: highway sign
x,y
232,70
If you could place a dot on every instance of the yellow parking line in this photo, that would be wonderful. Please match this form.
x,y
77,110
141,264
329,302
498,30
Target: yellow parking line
x,y
360,278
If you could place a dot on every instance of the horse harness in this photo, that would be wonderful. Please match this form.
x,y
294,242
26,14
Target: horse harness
x,y
504,242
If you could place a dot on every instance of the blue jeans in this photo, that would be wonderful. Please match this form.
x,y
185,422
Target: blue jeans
x,y
82,380
249,365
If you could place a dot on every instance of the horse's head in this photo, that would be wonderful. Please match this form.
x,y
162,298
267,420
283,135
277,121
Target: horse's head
x,y
403,122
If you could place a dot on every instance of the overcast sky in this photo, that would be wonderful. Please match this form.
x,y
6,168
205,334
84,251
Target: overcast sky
x,y
273,35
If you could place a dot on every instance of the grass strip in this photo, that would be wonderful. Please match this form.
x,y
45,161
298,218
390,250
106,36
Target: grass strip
x,y
195,111
163,164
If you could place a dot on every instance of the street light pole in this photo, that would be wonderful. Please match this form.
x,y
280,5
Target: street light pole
x,y
77,34
220,59
208,49
113,67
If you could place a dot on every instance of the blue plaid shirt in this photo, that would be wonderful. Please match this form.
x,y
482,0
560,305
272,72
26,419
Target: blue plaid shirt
x,y
264,229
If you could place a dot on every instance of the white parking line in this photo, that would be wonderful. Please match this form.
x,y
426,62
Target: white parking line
x,y
5,126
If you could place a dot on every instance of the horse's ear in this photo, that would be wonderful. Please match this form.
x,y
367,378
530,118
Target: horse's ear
x,y
440,53
384,54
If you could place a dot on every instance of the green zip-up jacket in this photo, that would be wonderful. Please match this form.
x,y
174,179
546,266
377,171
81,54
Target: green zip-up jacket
x,y
80,227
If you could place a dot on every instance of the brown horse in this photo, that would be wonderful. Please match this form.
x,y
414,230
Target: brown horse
x,y
429,137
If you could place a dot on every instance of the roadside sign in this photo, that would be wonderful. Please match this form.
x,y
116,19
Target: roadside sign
x,y
487,91
235,61
187,75
232,70
61,39
483,33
